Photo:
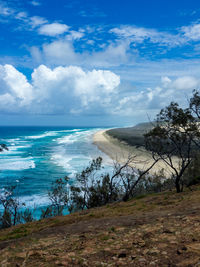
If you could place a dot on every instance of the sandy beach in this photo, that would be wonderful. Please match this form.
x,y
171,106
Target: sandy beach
x,y
120,151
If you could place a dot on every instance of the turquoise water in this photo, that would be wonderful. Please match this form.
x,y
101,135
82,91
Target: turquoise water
x,y
39,155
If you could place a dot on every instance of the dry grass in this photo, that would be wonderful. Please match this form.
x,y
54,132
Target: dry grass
x,y
153,230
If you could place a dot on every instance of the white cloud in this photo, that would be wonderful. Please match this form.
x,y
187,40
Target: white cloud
x,y
17,84
62,52
74,35
15,92
71,90
21,15
186,83
181,83
151,100
54,91
35,3
5,10
165,81
36,21
77,88
140,34
191,32
53,29
113,52
6,100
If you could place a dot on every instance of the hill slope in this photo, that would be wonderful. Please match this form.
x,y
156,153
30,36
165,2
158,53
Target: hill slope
x,y
155,230
133,136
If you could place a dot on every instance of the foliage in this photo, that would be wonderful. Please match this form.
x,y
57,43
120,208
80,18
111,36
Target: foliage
x,y
46,213
11,205
27,216
59,196
93,188
12,213
3,147
175,134
195,103
192,174
91,191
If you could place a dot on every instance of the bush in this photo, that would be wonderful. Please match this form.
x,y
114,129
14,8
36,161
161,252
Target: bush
x,y
192,174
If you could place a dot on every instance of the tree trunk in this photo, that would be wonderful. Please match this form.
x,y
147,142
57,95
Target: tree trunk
x,y
177,184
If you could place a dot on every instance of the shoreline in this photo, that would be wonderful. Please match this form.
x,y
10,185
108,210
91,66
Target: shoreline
x,y
120,151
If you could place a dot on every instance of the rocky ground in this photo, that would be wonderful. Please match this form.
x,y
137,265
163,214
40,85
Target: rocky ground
x,y
154,230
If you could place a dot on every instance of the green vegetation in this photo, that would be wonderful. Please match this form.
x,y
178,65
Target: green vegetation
x,y
174,133
133,136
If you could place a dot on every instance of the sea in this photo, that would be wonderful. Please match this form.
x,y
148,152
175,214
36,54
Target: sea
x,y
39,155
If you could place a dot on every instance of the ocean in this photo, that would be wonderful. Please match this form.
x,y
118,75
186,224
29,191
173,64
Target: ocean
x,y
39,155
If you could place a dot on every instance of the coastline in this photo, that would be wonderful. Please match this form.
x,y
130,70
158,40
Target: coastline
x,y
120,151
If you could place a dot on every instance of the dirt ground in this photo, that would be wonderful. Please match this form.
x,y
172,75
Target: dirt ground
x,y
155,230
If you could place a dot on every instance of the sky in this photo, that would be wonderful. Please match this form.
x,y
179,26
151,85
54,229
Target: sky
x,y
96,62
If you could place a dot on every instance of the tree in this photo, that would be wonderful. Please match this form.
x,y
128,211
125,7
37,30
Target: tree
x,y
59,197
11,207
195,104
192,174
175,133
94,189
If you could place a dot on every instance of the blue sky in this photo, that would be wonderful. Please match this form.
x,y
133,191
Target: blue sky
x,y
96,62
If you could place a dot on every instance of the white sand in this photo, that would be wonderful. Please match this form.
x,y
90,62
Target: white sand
x,y
120,151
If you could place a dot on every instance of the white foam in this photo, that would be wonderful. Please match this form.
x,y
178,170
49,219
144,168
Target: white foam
x,y
62,161
66,139
71,163
17,163
46,134
69,131
12,140
15,148
35,200
62,157
76,136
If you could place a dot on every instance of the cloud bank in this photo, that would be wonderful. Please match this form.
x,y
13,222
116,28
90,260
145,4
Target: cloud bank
x,y
61,90
72,90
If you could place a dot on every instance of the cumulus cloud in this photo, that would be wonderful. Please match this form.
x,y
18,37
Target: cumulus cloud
x,y
56,91
15,86
53,29
72,90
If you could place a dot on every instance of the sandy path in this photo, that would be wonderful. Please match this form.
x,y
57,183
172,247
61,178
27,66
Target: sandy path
x,y
120,152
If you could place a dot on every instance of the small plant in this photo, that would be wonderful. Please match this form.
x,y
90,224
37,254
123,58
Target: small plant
x,y
11,206
27,216
59,197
